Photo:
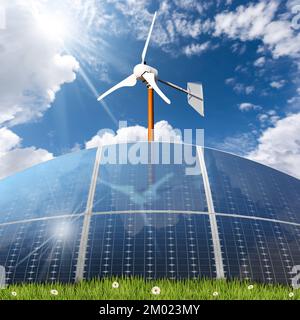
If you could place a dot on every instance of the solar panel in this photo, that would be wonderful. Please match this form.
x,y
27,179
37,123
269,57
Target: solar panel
x,y
244,187
40,251
149,218
53,188
123,187
151,245
259,250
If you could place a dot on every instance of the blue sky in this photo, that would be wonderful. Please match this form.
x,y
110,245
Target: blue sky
x,y
55,56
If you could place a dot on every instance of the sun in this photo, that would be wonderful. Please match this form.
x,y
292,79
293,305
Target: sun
x,y
54,27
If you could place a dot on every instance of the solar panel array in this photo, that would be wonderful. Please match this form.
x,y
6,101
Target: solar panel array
x,y
149,220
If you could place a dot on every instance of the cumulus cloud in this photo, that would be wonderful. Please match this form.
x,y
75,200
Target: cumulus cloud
x,y
279,146
238,87
14,158
247,106
268,118
257,21
33,67
8,140
260,62
163,132
277,84
246,22
196,48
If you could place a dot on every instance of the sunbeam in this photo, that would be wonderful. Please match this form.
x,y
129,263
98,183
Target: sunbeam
x,y
96,94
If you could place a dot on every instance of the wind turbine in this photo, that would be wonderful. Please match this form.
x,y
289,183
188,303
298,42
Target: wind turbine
x,y
149,76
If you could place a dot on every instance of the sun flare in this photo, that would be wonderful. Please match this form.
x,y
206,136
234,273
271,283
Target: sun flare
x,y
53,26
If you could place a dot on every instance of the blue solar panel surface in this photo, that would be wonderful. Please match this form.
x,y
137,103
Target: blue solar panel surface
x,y
149,220
57,187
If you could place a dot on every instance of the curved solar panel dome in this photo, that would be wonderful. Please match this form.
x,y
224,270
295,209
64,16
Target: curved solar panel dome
x,y
80,217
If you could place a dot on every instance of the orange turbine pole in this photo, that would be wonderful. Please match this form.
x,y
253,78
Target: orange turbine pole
x,y
150,115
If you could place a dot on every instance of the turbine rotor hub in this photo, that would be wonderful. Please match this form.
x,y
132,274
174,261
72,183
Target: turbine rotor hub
x,y
140,69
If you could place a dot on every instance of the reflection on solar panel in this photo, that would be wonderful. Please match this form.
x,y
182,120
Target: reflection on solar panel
x,y
79,217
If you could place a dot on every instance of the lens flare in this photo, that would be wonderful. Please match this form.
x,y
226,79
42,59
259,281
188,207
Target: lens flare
x,y
53,26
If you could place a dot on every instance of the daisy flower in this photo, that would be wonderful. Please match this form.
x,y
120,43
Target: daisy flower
x,y
215,294
115,285
250,287
291,294
155,290
54,292
14,294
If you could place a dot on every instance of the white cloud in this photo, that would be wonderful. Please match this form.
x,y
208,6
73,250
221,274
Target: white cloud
x,y
230,81
279,146
277,84
177,20
247,22
8,140
163,132
294,100
260,62
192,5
238,48
33,67
256,21
22,158
185,27
14,158
268,118
240,87
241,68
246,106
249,89
196,48
239,144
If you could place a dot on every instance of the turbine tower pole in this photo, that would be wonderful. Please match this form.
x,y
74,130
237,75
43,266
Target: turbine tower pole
x,y
150,114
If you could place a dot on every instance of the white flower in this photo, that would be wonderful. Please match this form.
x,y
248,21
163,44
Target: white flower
x,y
250,287
54,292
291,294
14,294
155,290
115,285
215,294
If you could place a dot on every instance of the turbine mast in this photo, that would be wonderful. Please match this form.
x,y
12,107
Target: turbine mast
x,y
150,114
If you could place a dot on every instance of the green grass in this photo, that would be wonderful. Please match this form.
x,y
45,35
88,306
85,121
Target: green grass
x,y
136,288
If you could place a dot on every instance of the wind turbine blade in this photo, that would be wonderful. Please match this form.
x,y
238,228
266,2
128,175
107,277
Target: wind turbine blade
x,y
148,39
128,82
150,78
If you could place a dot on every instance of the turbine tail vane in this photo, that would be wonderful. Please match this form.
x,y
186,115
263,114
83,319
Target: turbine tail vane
x,y
195,97
194,94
